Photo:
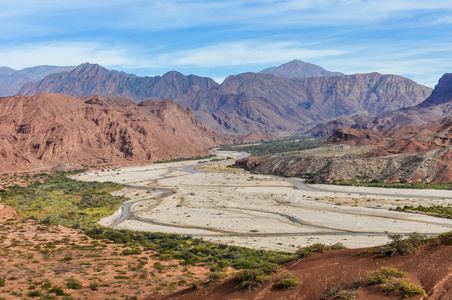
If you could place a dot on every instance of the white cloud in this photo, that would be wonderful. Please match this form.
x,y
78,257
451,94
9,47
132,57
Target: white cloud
x,y
245,53
64,54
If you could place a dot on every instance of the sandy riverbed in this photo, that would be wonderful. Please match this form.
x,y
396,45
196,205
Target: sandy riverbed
x,y
232,206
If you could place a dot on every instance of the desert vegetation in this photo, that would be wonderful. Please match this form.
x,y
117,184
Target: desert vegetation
x,y
400,185
276,146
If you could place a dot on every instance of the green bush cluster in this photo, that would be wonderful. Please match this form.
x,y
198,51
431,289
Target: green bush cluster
x,y
61,200
287,281
256,276
277,146
319,248
393,280
400,245
436,210
399,185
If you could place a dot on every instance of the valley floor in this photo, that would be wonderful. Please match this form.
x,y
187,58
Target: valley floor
x,y
228,205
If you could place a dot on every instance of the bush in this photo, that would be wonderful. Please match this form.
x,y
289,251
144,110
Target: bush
x,y
384,274
307,251
401,246
251,278
2,281
74,284
57,290
288,281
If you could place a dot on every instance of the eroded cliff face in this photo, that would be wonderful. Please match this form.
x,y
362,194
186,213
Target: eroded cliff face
x,y
46,129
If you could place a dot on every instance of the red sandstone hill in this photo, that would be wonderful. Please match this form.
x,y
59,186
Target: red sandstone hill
x,y
46,129
322,272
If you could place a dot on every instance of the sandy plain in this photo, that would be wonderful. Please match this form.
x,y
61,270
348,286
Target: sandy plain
x,y
228,205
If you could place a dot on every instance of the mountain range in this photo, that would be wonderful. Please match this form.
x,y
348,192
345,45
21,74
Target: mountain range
x,y
250,101
12,80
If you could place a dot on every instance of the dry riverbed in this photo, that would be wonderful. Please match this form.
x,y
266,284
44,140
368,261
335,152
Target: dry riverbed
x,y
231,206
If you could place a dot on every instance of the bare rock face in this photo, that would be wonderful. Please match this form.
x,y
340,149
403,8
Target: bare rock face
x,y
298,68
438,105
92,79
47,129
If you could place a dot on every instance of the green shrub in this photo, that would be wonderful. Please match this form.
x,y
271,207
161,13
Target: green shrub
x,y
74,284
251,278
213,277
2,281
34,293
131,252
94,286
57,290
384,274
309,250
400,245
288,281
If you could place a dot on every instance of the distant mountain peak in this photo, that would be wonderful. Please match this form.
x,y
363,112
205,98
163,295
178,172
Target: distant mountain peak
x,y
300,69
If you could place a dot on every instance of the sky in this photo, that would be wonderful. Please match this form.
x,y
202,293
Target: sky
x,y
410,38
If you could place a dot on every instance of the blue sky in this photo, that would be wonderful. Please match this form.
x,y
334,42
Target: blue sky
x,y
411,38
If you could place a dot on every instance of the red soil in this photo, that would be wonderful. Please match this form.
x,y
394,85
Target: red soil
x,y
430,268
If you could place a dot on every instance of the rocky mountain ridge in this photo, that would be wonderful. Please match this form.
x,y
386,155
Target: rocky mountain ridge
x,y
92,79
438,105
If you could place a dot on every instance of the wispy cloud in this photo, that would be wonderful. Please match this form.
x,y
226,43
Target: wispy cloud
x,y
64,54
246,53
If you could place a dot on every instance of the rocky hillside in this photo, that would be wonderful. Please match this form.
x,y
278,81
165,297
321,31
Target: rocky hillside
x,y
340,275
46,129
298,68
91,79
438,105
255,137
405,154
11,80
274,104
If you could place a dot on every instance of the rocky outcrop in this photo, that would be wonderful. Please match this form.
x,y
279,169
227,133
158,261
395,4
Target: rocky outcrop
x,y
47,129
298,68
438,105
91,79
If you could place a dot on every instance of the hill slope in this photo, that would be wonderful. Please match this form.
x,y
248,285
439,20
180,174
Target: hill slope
x,y
323,272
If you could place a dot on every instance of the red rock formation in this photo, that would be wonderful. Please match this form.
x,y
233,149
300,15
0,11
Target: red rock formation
x,y
46,129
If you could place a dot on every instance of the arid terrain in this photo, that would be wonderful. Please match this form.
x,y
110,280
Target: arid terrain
x,y
227,205
39,260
